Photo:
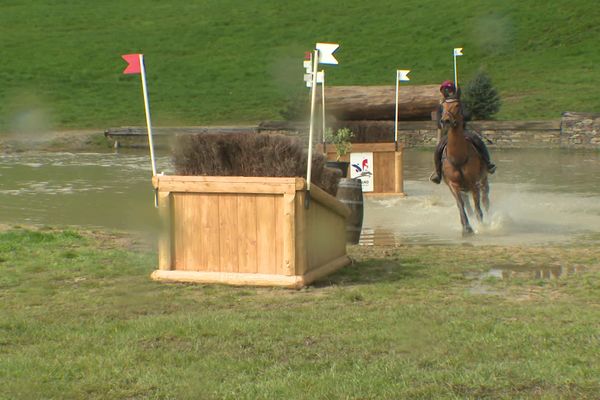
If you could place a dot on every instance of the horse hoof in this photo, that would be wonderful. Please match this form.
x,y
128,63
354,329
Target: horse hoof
x,y
468,232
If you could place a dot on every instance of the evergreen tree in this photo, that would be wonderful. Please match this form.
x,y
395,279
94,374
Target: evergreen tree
x,y
480,99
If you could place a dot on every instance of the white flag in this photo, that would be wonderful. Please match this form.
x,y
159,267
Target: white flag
x,y
308,66
402,75
326,53
458,51
320,78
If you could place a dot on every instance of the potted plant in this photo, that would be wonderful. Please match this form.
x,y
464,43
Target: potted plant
x,y
340,139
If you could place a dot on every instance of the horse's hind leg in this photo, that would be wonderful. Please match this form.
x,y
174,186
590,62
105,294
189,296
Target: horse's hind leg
x,y
464,220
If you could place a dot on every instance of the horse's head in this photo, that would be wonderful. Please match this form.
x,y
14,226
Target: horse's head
x,y
451,113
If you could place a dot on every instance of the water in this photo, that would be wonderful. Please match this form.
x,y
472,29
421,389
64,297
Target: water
x,y
537,197
93,190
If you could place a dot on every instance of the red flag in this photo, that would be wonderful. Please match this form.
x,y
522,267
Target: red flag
x,y
134,66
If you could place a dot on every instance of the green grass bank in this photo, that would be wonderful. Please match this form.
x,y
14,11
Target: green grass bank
x,y
228,61
80,318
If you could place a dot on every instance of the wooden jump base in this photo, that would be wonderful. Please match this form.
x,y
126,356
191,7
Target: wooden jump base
x,y
248,231
388,170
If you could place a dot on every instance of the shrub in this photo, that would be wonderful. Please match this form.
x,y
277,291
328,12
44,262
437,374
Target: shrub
x,y
341,140
250,155
480,99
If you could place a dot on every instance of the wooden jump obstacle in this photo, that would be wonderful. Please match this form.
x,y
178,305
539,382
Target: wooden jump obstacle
x,y
247,231
388,170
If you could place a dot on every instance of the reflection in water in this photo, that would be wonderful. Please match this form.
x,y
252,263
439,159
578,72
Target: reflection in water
x,y
512,271
545,272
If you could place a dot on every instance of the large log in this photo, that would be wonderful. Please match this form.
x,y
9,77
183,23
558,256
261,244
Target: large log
x,y
416,102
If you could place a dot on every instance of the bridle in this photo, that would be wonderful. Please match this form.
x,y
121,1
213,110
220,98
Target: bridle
x,y
452,118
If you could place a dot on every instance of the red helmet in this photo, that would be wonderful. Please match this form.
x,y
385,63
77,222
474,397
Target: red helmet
x,y
448,86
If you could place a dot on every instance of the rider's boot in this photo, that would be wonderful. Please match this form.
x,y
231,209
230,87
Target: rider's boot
x,y
436,176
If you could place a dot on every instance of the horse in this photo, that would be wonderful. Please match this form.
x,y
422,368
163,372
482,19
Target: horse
x,y
463,168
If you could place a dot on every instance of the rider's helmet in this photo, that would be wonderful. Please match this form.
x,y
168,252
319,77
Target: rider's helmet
x,y
448,89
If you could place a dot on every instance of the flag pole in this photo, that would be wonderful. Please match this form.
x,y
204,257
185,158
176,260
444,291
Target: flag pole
x,y
396,117
312,117
323,106
455,72
147,108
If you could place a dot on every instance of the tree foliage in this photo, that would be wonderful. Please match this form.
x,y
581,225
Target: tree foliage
x,y
480,99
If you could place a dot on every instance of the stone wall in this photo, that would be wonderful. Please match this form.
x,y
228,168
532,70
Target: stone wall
x,y
580,130
573,130
540,134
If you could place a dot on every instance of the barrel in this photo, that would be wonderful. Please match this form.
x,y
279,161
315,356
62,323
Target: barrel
x,y
350,193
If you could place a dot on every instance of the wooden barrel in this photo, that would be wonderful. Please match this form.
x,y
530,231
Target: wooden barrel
x,y
350,193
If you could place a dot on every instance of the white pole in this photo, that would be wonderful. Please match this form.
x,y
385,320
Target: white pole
x,y
147,107
396,118
323,105
312,117
455,74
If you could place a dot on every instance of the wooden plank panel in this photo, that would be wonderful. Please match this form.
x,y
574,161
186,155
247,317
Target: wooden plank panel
x,y
224,184
325,236
314,218
228,233
165,240
301,263
266,234
247,243
182,226
374,147
288,237
279,221
383,172
196,232
209,235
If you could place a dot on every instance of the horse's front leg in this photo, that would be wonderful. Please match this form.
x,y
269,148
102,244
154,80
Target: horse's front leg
x,y
477,203
464,220
485,188
467,203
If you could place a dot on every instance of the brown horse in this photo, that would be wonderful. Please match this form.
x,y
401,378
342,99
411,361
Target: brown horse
x,y
462,166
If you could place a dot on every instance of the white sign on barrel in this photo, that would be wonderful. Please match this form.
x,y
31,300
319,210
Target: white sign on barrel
x,y
361,167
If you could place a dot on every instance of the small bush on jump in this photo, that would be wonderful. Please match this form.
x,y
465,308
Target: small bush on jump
x,y
258,154
480,99
341,140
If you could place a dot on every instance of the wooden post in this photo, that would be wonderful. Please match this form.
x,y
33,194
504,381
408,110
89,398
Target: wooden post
x,y
301,258
399,170
289,234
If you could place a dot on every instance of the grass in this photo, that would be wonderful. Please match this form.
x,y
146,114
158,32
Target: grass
x,y
80,318
227,61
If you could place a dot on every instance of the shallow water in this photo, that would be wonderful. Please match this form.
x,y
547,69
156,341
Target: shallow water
x,y
537,197
94,190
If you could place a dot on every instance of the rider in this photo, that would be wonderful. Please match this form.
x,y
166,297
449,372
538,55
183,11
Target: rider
x,y
448,91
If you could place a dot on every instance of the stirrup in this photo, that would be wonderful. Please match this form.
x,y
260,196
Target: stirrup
x,y
435,178
491,167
